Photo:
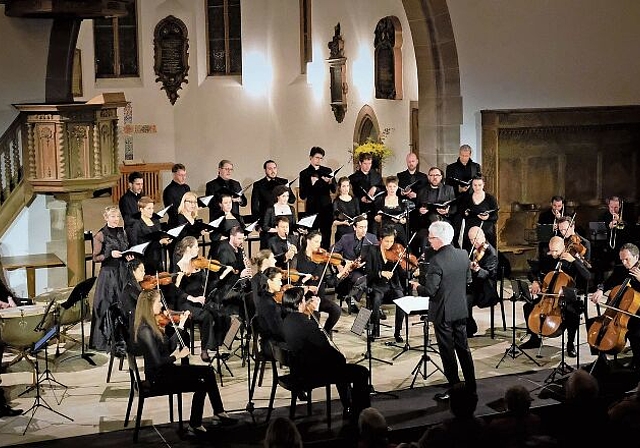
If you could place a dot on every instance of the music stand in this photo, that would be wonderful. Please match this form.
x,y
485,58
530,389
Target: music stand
x,y
570,298
421,366
410,305
520,291
361,323
47,375
39,401
80,292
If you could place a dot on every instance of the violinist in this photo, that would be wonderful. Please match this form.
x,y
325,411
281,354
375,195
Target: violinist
x,y
353,247
283,245
160,354
262,262
557,259
316,185
319,359
129,295
630,268
576,245
188,293
482,291
390,211
385,282
149,224
268,310
312,260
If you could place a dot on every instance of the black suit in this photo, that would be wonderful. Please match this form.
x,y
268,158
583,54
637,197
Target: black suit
x,y
406,178
217,187
457,170
317,198
128,205
317,359
445,285
262,196
361,184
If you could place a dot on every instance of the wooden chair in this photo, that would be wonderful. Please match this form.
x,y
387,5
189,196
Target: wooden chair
x,y
88,236
260,359
295,384
145,389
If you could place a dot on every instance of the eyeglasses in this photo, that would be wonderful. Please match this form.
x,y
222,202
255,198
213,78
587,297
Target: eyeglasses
x,y
190,202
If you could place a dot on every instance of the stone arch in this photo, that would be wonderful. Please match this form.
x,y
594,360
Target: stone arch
x,y
439,98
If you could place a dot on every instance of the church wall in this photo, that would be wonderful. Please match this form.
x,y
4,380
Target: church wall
x,y
551,53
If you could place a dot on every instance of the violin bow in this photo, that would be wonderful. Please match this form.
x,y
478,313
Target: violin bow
x,y
404,252
326,266
473,242
166,307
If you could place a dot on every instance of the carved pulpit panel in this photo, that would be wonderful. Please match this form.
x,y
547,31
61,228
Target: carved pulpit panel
x,y
171,44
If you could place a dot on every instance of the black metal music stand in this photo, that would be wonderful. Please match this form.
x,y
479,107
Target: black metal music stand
x,y
570,298
360,324
410,305
39,401
421,367
520,292
80,292
47,375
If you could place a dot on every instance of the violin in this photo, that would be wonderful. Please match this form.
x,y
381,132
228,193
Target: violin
x,y
574,246
152,281
277,296
165,317
322,256
295,276
479,252
212,265
397,253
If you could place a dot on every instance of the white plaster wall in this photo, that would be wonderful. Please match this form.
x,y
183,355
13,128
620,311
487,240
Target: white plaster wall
x,y
544,53
23,56
231,118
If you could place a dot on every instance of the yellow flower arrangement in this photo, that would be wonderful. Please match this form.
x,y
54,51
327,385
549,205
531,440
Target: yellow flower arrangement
x,y
377,149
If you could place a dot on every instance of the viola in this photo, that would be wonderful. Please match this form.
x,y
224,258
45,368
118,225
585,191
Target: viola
x,y
397,253
322,256
212,265
546,316
152,281
479,252
355,264
608,331
574,246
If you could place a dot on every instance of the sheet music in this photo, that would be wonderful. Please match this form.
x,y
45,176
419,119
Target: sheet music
x,y
137,249
412,304
176,231
308,221
205,200
163,212
291,182
216,222
251,227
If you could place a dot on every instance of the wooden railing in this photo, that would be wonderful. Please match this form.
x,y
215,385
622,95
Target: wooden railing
x,y
151,176
13,194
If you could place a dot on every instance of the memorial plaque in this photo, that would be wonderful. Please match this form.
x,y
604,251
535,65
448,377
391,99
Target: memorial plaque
x,y
171,43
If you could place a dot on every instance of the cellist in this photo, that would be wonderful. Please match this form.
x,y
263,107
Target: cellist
x,y
557,258
629,256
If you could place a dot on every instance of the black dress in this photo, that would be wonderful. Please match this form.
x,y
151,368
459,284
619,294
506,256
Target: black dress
x,y
342,211
380,204
109,284
154,256
470,210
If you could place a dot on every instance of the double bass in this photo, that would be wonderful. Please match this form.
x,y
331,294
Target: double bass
x,y
608,331
546,316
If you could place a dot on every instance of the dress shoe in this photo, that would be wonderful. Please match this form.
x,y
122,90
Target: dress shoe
x,y
226,420
302,396
8,411
353,308
444,396
399,339
533,342
382,314
204,355
631,365
197,431
571,350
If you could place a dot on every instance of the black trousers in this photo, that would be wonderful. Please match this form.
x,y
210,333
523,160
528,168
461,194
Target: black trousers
x,y
385,292
352,382
452,341
200,380
570,319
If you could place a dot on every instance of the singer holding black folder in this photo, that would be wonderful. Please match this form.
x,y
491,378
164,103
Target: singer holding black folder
x,y
366,183
317,182
225,184
345,209
389,211
145,229
479,209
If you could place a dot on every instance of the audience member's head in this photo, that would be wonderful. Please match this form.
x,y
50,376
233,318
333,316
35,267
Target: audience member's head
x,y
372,429
282,433
581,388
518,400
463,401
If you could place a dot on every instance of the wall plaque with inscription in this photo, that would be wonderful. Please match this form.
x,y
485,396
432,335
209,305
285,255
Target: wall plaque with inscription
x,y
171,42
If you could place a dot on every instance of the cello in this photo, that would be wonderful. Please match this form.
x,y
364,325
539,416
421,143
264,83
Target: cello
x,y
546,316
608,331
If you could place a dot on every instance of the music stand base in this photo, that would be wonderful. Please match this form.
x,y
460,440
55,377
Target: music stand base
x,y
515,351
417,370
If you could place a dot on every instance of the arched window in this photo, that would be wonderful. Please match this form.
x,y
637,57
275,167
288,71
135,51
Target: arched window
x,y
388,59
366,128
